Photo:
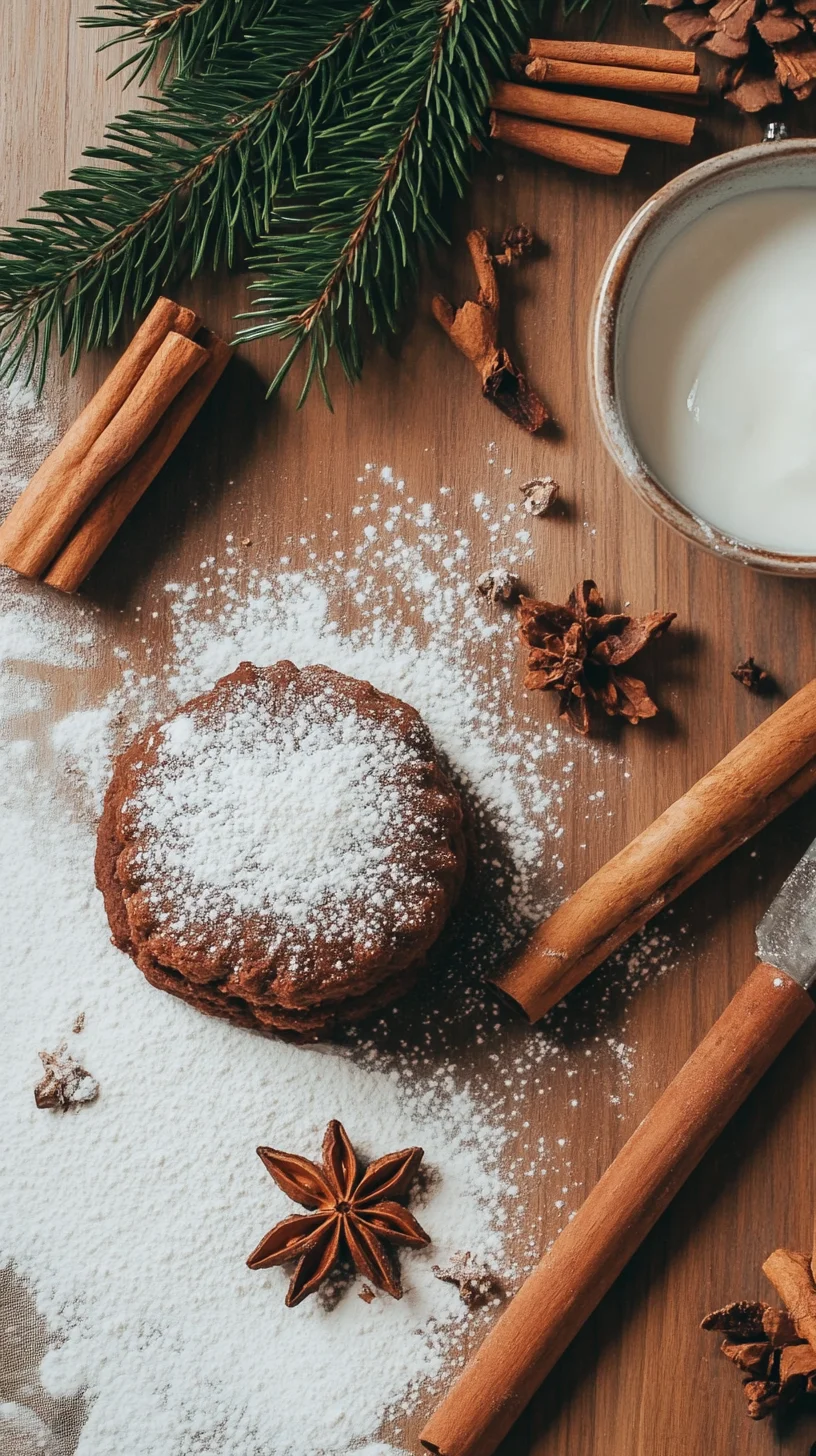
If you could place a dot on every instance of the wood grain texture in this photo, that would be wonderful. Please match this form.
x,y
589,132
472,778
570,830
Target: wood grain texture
x,y
641,1379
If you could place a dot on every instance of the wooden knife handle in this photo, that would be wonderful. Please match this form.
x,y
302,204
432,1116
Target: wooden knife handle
x,y
584,1261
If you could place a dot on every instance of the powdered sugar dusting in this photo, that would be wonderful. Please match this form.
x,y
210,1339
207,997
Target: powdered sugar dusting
x,y
126,1223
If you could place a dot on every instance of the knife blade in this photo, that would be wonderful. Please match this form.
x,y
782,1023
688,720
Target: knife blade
x,y
786,934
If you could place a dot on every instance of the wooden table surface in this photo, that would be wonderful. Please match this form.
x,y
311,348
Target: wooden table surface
x,y
641,1380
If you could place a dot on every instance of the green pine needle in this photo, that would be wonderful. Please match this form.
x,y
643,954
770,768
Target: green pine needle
x,y
182,39
344,246
319,139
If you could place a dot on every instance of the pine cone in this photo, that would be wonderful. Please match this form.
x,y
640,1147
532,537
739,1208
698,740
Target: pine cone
x,y
578,650
765,46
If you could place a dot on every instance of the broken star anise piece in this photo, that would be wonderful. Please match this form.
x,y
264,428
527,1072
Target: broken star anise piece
x,y
539,495
498,585
578,651
352,1213
753,677
65,1083
473,1279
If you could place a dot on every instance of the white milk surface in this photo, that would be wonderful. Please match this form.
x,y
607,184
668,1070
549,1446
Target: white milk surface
x,y
718,368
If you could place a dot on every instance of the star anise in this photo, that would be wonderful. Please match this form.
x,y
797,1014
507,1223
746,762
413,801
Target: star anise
x,y
353,1213
578,650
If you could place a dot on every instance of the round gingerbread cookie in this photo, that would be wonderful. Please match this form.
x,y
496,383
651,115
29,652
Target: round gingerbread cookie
x,y
283,850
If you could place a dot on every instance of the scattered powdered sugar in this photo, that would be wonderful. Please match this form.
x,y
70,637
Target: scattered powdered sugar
x,y
125,1224
132,1218
35,626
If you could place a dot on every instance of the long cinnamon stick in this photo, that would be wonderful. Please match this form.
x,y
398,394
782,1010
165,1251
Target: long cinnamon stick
x,y
174,362
35,504
599,53
114,503
615,78
574,148
766,772
540,1321
587,111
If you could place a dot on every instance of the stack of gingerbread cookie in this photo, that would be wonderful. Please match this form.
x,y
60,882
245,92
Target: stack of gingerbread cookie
x,y
282,851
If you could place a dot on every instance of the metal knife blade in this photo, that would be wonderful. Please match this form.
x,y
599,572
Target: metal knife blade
x,y
786,934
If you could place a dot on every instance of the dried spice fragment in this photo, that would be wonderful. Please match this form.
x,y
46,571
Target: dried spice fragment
x,y
474,329
516,241
79,1024
65,1083
539,495
764,1343
753,1357
498,585
766,46
743,1319
578,650
353,1213
762,1397
475,1281
753,677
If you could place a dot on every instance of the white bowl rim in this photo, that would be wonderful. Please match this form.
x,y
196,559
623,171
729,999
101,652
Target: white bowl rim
x,y
603,344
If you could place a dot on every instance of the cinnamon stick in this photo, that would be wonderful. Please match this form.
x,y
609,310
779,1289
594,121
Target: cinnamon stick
x,y
538,1324
615,78
44,489
770,769
574,148
55,513
791,1277
114,503
599,53
587,111
474,329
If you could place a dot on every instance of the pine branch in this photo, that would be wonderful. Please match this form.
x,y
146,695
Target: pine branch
x,y
344,246
322,139
172,38
192,178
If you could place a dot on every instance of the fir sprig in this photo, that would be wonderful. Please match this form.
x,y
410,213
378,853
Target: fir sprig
x,y
320,140
180,39
345,239
191,177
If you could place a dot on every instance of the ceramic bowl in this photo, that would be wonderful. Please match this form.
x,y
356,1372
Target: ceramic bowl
x,y
674,207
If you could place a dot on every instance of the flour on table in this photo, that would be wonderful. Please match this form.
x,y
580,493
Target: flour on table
x,y
125,1224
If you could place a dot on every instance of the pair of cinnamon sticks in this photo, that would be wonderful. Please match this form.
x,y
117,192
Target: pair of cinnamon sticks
x,y
77,500
592,64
